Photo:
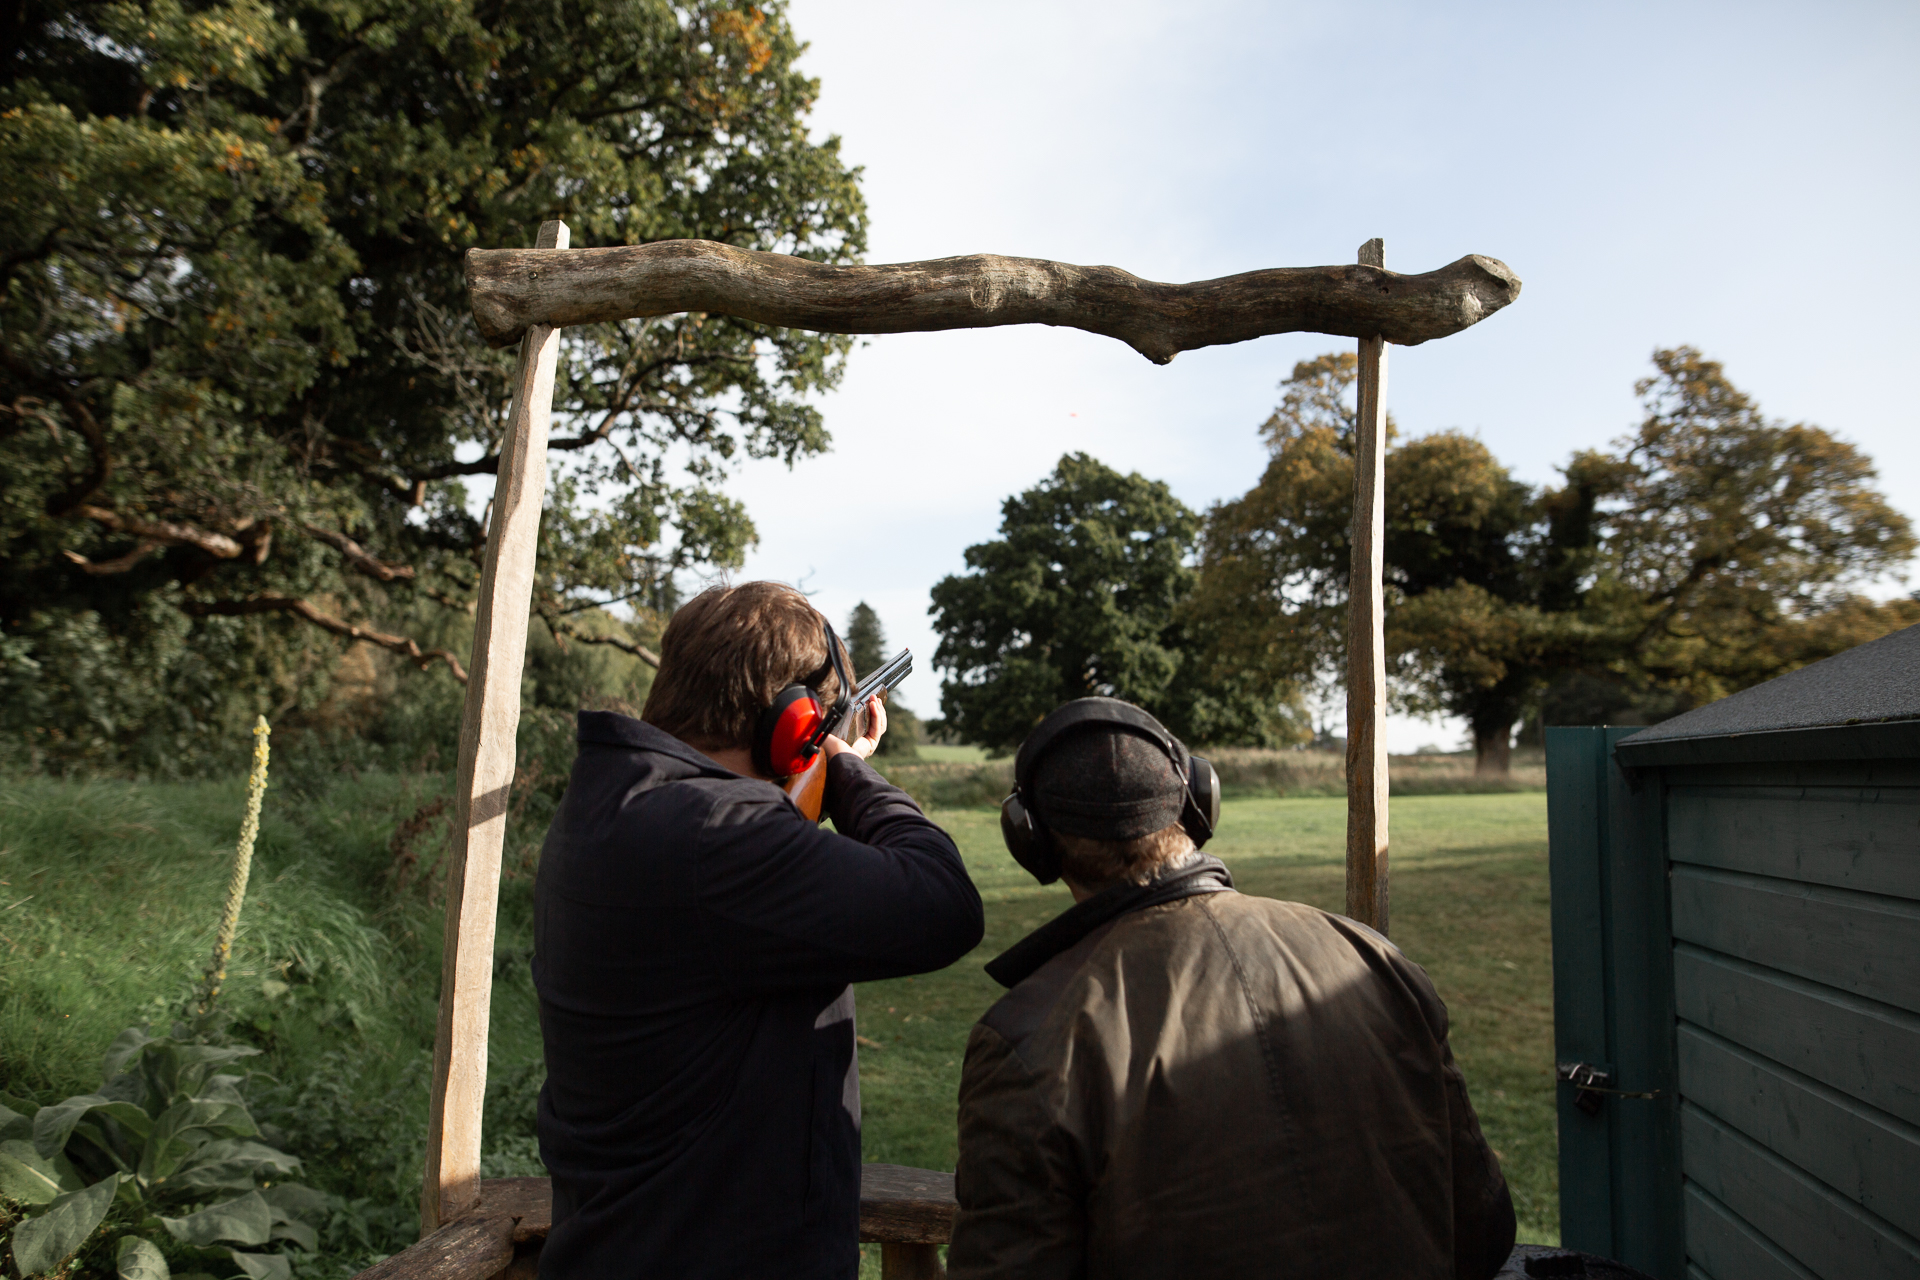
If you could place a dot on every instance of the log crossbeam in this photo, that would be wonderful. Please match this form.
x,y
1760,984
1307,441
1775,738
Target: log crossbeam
x,y
512,289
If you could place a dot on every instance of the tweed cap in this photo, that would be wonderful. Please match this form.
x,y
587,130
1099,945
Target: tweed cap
x,y
1107,782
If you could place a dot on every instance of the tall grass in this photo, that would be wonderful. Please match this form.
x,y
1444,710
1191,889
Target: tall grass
x,y
108,917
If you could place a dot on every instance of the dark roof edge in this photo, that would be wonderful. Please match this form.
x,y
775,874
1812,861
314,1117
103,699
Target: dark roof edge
x,y
1873,740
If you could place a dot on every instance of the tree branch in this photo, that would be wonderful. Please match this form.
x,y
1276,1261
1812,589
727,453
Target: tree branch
x,y
358,556
119,564
165,532
401,645
512,289
561,629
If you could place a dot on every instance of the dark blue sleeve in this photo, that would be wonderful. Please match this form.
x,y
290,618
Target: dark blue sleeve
x,y
884,895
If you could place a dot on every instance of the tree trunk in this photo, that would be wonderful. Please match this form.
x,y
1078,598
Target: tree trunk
x,y
1493,746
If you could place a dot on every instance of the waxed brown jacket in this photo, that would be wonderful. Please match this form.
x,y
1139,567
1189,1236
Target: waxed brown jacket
x,y
1185,1081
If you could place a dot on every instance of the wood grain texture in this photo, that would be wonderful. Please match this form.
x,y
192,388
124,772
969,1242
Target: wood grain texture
x,y
512,289
1865,838
451,1184
1367,874
1865,1050
899,1205
1810,1223
482,1243
1859,942
1859,1151
1722,1244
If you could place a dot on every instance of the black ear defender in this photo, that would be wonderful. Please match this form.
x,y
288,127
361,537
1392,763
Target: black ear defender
x,y
789,732
1028,839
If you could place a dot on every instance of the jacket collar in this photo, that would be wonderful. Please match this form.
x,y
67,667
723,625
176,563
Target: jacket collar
x,y
611,729
1203,873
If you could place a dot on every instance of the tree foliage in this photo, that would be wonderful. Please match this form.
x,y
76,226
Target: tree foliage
x,y
1082,594
1710,550
867,650
239,394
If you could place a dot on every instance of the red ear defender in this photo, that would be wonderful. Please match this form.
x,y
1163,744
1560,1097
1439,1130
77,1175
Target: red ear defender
x,y
789,732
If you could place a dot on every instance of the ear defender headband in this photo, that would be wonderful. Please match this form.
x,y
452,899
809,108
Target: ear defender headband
x,y
1028,839
789,733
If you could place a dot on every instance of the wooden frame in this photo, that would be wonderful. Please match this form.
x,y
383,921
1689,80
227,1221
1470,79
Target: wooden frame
x,y
528,295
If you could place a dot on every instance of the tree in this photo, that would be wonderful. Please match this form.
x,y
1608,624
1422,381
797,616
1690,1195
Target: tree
x,y
867,649
239,394
1080,595
1734,546
1713,550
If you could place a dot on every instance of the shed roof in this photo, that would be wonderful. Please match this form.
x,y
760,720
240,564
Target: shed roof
x,y
1869,683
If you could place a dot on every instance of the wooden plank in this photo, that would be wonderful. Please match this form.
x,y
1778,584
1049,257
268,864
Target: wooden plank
x,y
1867,839
1720,1242
899,1205
1858,942
1649,1231
1859,1151
1865,1050
1824,1231
1367,875
1577,814
510,289
511,1211
451,1184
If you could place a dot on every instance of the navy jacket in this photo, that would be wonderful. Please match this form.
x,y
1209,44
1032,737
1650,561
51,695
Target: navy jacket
x,y
694,938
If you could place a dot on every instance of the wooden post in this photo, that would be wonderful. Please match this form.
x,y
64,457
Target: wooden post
x,y
452,1183
1366,639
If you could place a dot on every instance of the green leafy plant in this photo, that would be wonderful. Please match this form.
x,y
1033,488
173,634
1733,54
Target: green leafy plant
x,y
165,1143
167,1147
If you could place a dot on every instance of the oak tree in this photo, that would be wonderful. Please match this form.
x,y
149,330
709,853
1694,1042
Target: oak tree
x,y
240,397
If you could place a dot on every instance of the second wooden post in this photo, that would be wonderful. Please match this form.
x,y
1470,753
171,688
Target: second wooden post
x,y
1366,638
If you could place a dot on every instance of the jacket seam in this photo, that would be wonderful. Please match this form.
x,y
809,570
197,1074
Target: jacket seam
x,y
1262,1029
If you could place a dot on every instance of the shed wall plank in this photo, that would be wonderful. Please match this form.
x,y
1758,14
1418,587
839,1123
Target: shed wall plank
x,y
1720,1242
1865,1050
1864,943
1823,1230
1863,839
1855,1149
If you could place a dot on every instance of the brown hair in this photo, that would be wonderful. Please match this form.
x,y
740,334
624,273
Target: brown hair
x,y
724,656
1094,864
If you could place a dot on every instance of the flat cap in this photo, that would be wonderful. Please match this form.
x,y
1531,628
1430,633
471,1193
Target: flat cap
x,y
1108,782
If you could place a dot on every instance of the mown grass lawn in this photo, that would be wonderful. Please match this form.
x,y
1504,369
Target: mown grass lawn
x,y
1469,903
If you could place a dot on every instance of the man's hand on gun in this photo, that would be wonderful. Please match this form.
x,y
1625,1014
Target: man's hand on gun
x,y
867,743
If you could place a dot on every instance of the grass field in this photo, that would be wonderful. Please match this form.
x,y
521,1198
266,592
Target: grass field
x,y
1469,903
109,894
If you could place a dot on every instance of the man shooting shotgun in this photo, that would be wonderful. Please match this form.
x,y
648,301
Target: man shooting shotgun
x,y
808,788
695,934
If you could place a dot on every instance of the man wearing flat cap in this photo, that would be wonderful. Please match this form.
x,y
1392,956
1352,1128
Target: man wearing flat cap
x,y
1185,1081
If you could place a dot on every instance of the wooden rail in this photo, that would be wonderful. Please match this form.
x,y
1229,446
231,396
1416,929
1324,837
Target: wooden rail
x,y
907,1212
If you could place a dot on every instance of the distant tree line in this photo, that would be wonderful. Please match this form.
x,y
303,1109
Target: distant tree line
x,y
1708,550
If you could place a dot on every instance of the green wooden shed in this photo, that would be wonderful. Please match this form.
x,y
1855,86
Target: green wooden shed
x,y
1736,954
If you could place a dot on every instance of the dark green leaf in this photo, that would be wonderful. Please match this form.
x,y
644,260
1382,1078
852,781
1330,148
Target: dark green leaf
x,y
242,1220
42,1243
139,1259
263,1266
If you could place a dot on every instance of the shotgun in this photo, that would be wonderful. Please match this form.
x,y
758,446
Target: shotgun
x,y
808,788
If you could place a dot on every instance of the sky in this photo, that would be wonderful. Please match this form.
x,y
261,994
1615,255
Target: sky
x,y
1741,178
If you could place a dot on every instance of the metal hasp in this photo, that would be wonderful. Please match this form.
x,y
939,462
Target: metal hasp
x,y
527,295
